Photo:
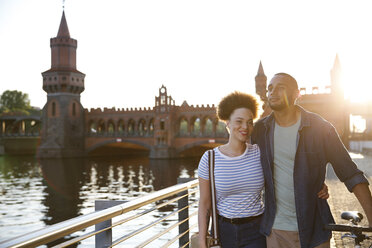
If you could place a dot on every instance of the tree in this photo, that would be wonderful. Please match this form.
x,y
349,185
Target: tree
x,y
14,101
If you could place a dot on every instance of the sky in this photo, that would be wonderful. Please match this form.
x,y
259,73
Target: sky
x,y
201,50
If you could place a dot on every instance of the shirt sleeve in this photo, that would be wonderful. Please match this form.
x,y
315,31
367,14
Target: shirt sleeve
x,y
344,167
203,168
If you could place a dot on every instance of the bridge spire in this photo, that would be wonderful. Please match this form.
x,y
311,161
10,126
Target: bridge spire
x,y
261,91
337,63
63,28
261,81
336,78
260,69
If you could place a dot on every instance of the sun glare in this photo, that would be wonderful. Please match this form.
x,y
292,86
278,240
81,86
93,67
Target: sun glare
x,y
358,93
357,124
356,89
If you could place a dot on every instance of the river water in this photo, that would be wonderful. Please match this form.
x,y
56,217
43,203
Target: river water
x,y
35,193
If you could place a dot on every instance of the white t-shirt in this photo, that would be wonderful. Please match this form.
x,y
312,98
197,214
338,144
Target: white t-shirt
x,y
284,155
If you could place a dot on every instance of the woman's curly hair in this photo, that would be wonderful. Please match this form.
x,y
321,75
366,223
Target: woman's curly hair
x,y
234,101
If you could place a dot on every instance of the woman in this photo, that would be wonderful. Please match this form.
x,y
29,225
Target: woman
x,y
239,179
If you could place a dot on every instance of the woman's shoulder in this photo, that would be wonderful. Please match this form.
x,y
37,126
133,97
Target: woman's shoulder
x,y
206,153
205,156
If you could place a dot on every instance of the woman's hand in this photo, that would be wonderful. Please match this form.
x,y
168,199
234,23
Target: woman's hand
x,y
202,242
323,193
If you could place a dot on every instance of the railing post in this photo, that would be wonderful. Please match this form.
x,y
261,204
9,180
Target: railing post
x,y
184,214
104,239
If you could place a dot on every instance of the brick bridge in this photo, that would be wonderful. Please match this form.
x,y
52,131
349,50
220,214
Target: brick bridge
x,y
165,130
19,134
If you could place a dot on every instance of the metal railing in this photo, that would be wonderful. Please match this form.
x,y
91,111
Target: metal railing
x,y
103,220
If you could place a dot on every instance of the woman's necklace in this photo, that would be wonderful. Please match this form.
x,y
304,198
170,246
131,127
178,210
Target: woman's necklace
x,y
228,151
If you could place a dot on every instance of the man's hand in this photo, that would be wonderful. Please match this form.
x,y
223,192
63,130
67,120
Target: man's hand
x,y
323,193
364,196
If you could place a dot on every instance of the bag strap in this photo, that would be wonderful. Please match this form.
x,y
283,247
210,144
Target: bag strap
x,y
215,231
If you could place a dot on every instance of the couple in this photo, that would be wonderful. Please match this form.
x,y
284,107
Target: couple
x,y
287,161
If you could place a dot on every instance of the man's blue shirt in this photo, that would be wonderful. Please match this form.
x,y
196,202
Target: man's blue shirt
x,y
317,145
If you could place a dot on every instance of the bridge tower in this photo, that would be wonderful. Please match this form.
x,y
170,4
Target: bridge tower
x,y
341,107
261,90
63,115
336,79
164,125
261,81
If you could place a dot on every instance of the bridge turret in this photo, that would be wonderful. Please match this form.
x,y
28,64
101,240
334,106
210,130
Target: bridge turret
x,y
164,125
261,91
63,114
261,81
163,102
63,75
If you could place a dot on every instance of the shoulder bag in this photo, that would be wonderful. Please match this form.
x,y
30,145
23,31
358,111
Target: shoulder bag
x,y
212,240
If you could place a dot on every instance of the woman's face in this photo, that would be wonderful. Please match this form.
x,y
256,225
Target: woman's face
x,y
240,124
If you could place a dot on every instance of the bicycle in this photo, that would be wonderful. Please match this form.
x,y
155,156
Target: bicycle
x,y
354,230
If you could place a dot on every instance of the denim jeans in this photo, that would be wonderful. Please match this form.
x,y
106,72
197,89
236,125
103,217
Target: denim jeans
x,y
245,235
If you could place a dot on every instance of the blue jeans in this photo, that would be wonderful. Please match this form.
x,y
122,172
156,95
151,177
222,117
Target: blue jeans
x,y
245,235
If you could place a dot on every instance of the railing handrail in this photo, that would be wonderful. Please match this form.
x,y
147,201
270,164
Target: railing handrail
x,y
53,232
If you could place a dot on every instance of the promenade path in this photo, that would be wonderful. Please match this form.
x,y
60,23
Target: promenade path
x,y
342,200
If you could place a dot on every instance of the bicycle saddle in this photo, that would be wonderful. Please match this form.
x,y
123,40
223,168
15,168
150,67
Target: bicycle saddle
x,y
354,216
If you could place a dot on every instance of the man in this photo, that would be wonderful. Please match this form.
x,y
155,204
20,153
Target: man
x,y
296,146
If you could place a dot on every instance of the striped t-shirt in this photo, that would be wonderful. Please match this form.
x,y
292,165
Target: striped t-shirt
x,y
239,182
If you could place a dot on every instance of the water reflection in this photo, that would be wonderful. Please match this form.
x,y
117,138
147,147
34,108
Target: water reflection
x,y
37,193
63,180
166,172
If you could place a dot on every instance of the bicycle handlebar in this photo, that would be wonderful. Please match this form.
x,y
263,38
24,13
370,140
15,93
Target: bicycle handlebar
x,y
347,228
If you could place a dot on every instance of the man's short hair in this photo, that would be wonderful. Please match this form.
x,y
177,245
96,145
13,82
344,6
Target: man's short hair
x,y
292,80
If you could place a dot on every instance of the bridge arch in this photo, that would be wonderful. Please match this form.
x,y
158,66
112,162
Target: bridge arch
x,y
123,143
101,127
142,127
207,126
205,144
111,129
195,126
183,126
121,126
131,127
92,127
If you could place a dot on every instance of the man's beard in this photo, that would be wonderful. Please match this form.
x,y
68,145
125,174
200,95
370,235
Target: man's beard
x,y
278,107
